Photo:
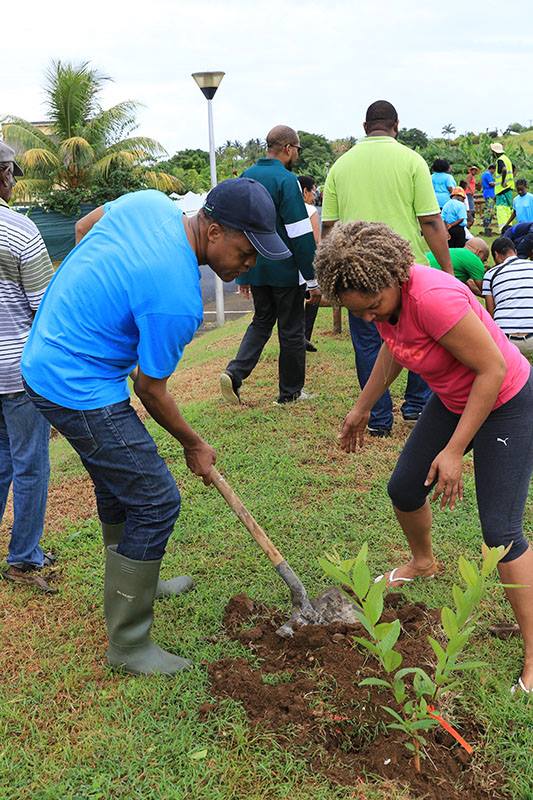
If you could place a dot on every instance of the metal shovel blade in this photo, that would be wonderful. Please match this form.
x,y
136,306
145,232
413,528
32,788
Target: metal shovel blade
x,y
330,606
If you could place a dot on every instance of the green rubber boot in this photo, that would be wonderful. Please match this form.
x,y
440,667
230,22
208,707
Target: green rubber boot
x,y
182,583
129,592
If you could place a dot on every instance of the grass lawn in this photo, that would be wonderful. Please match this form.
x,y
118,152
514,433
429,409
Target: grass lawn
x,y
72,730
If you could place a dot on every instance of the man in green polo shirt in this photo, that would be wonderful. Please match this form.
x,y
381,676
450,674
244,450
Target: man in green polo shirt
x,y
381,180
468,263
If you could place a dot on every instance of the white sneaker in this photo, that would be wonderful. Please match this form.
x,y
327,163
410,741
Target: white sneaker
x,y
229,394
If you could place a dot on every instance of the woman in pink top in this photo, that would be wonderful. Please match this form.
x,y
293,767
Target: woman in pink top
x,y
482,394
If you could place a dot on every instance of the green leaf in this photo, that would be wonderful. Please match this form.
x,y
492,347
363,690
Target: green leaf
x,y
437,649
458,597
410,746
391,636
469,571
362,555
393,713
360,579
367,625
469,665
400,692
373,604
369,645
334,572
456,644
397,726
197,755
424,724
374,682
449,622
391,660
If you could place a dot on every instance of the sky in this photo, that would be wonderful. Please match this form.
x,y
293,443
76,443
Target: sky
x,y
315,66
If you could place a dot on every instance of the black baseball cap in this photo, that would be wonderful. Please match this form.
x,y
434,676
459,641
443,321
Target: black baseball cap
x,y
245,204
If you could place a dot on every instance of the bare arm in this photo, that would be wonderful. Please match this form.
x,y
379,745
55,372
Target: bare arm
x,y
385,371
155,397
84,225
327,226
491,305
434,232
470,343
474,286
316,227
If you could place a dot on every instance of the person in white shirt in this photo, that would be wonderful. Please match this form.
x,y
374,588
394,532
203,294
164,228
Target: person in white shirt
x,y
508,291
308,187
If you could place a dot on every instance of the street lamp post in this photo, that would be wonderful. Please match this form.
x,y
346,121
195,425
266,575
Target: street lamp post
x,y
209,82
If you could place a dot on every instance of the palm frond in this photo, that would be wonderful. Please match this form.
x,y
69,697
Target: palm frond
x,y
110,123
22,135
30,190
37,159
121,158
76,150
71,91
145,147
162,181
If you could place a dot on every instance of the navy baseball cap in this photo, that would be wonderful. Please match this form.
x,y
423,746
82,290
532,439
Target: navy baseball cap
x,y
245,204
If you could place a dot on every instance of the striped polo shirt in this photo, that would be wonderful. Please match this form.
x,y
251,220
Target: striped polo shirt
x,y
511,286
25,272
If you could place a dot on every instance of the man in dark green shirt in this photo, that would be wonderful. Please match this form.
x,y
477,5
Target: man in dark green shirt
x,y
278,287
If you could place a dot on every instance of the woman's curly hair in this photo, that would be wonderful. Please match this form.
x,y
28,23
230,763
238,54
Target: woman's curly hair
x,y
363,256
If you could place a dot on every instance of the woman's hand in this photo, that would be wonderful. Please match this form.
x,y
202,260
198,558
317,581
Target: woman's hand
x,y
447,469
353,429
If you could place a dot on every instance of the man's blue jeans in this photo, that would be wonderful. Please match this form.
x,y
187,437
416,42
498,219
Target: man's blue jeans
x,y
24,462
367,343
131,481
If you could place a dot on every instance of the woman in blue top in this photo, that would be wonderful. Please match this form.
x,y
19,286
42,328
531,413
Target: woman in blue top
x,y
443,182
454,215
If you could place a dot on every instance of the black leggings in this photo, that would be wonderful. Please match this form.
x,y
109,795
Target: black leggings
x,y
503,463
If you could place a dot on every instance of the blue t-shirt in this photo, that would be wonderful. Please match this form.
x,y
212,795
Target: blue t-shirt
x,y
454,210
523,207
441,182
486,179
128,293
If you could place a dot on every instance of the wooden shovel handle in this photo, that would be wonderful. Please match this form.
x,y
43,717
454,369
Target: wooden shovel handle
x,y
245,517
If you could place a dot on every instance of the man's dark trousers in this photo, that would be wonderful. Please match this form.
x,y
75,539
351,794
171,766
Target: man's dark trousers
x,y
284,305
367,344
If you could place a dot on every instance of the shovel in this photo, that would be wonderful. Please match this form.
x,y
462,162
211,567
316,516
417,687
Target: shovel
x,y
330,606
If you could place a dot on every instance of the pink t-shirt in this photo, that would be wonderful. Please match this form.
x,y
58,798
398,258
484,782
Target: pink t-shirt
x,y
432,303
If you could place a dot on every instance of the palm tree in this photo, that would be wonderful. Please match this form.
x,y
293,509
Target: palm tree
x,y
85,142
448,130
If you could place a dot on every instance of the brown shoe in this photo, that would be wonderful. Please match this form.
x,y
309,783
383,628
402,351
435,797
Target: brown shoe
x,y
29,576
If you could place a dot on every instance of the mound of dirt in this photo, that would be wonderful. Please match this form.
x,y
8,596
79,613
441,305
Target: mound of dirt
x,y
305,690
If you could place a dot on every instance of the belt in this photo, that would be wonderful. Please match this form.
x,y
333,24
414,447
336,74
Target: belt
x,y
519,337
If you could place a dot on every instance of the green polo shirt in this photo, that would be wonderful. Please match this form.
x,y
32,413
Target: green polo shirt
x,y
292,224
465,264
381,180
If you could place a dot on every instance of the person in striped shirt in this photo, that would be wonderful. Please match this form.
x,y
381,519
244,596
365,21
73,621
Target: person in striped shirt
x,y
508,292
25,272
278,288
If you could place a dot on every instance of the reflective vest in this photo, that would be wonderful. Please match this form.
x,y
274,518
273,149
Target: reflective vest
x,y
509,179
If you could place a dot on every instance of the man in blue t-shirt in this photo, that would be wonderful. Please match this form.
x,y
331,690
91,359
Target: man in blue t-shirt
x,y
127,300
487,187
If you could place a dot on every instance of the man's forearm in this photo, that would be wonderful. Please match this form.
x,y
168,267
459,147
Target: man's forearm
x,y
326,227
164,410
436,236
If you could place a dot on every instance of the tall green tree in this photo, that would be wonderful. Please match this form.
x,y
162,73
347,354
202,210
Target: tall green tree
x,y
83,142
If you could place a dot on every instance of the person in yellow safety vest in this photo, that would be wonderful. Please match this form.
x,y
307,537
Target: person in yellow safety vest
x,y
503,185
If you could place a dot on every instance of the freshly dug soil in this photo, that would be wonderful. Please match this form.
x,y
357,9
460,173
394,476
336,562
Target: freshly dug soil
x,y
305,690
